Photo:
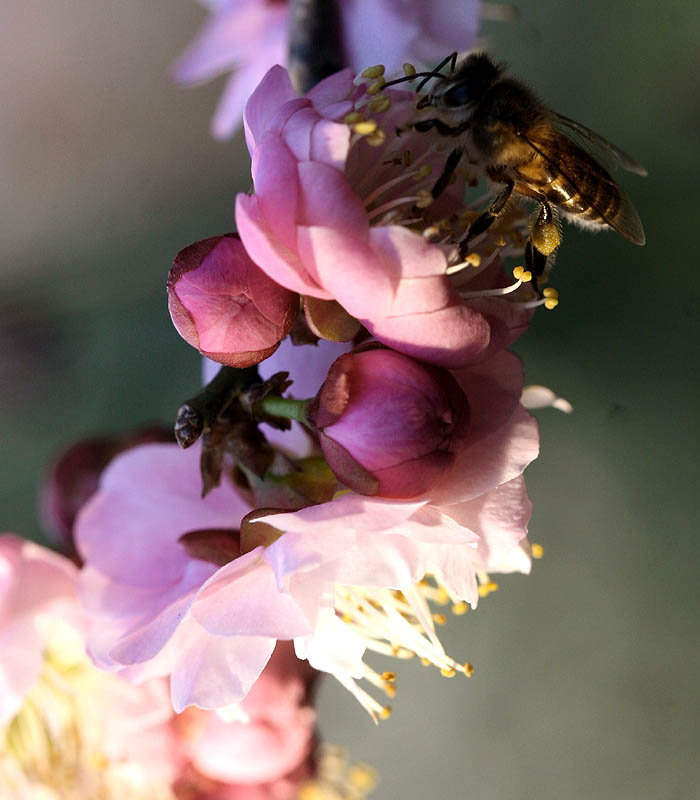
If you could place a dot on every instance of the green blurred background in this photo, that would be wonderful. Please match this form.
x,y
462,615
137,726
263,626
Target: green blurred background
x,y
586,680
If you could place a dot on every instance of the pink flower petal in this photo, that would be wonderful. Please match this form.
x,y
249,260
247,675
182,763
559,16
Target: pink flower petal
x,y
21,646
500,517
491,461
334,647
349,269
281,264
449,337
225,39
332,90
243,598
136,513
274,90
275,166
212,672
493,389
326,199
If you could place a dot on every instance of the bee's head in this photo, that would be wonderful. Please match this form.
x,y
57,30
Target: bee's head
x,y
464,87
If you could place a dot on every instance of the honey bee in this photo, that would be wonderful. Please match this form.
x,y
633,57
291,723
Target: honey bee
x,y
507,133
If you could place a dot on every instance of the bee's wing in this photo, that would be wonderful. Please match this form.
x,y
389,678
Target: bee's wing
x,y
594,142
626,220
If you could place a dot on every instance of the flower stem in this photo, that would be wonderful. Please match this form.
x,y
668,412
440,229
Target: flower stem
x,y
204,408
286,407
314,42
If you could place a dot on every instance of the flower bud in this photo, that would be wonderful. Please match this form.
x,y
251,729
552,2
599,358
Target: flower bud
x,y
388,425
226,306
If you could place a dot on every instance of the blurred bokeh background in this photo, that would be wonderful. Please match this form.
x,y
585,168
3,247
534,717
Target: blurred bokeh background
x,y
586,680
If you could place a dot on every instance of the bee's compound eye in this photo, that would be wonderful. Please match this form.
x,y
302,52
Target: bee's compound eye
x,y
456,96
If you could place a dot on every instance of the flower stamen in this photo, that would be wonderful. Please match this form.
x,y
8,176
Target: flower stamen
x,y
399,624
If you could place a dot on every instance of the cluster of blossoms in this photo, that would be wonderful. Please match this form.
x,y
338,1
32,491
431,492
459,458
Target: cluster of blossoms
x,y
400,485
353,466
70,731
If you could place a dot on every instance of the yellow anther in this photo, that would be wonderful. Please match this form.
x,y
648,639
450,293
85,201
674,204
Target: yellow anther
x,y
550,291
409,69
448,672
440,619
389,690
312,791
407,158
442,598
468,670
376,86
431,232
473,259
363,777
373,72
460,608
379,104
501,240
377,138
422,173
385,713
352,117
347,617
526,276
551,302
426,662
518,273
423,198
485,589
365,127
389,676
536,550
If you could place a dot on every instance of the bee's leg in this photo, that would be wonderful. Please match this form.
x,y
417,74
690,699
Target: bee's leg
x,y
450,166
485,220
536,262
543,241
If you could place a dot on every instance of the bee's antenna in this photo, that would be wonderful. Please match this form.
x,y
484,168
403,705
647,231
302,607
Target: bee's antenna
x,y
425,75
435,73
451,60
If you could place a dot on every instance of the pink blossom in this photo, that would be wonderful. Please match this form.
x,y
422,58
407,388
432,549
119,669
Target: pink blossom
x,y
482,496
388,425
107,737
225,306
173,588
121,738
330,219
33,581
247,37
157,607
271,733
473,520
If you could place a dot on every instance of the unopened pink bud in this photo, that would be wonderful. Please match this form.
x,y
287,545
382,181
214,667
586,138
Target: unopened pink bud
x,y
388,425
226,306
